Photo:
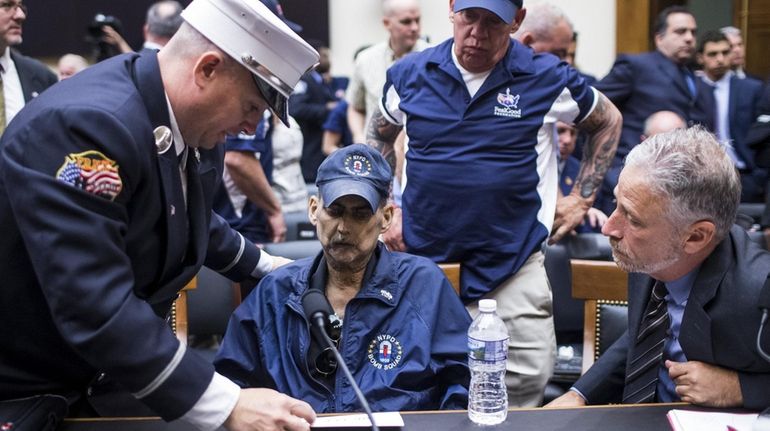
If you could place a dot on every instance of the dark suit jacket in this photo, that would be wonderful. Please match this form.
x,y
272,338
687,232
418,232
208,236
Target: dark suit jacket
x,y
34,75
640,85
719,325
88,276
308,107
745,95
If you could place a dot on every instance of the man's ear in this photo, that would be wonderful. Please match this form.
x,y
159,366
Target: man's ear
x,y
387,217
699,236
527,39
209,65
518,19
312,209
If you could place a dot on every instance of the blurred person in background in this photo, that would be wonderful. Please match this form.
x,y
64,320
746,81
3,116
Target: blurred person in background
x,y
70,64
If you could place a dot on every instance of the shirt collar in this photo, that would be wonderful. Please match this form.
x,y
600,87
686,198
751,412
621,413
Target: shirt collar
x,y
679,289
179,145
724,79
151,45
5,59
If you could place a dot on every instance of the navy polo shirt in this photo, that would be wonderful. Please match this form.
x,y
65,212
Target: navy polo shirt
x,y
481,171
230,203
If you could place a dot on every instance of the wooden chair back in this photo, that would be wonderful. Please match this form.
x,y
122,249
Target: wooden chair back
x,y
603,286
179,319
452,273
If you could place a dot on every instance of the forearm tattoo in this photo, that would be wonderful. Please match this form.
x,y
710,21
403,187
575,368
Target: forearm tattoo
x,y
603,127
381,135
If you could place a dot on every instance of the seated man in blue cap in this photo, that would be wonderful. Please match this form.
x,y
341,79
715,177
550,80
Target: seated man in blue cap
x,y
396,320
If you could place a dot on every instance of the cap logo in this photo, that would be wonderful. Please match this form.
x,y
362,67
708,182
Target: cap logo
x,y
358,165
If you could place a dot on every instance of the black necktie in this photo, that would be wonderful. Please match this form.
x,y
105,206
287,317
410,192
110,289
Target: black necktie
x,y
647,352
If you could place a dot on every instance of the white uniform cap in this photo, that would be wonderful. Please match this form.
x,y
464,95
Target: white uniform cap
x,y
248,32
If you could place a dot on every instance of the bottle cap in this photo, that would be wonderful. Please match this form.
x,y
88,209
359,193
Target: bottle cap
x,y
487,305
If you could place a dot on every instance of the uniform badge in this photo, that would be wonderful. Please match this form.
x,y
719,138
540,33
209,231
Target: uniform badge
x,y
510,105
163,138
568,181
384,352
92,172
358,165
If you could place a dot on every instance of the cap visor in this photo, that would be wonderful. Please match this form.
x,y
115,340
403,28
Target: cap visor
x,y
336,189
277,102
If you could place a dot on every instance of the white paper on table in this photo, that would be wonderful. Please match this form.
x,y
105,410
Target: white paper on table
x,y
688,420
382,419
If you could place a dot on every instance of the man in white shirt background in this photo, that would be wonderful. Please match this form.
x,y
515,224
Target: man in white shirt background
x,y
735,106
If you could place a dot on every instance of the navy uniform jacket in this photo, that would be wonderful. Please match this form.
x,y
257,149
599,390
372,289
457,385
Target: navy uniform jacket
x,y
403,338
719,326
91,261
745,95
33,75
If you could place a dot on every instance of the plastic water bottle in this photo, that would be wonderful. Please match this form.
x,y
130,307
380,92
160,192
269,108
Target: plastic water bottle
x,y
487,354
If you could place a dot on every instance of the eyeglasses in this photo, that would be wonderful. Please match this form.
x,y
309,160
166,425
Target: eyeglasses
x,y
12,6
325,362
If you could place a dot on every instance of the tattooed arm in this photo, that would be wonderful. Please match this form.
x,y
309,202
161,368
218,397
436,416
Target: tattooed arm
x,y
381,134
603,129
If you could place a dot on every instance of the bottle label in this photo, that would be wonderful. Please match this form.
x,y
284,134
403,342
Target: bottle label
x,y
487,351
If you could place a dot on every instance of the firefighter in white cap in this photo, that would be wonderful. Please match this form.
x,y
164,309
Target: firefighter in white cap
x,y
106,183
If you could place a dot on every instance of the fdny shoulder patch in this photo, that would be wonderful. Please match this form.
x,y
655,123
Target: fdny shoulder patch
x,y
92,172
384,352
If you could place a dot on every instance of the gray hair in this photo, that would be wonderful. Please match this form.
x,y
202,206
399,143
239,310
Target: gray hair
x,y
164,18
541,18
691,169
730,31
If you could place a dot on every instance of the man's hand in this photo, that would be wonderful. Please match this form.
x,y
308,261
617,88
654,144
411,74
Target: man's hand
x,y
569,399
112,37
570,211
706,385
393,237
277,226
267,410
596,218
279,261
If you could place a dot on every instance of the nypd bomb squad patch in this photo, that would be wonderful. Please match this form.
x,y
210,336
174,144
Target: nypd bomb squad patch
x,y
384,352
92,172
358,165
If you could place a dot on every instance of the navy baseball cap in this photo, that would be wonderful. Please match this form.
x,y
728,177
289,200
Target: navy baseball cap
x,y
357,169
505,9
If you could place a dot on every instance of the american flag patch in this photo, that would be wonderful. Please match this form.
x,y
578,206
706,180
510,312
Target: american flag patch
x,y
92,172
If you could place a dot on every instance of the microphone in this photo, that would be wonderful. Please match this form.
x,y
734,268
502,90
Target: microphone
x,y
317,310
764,305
